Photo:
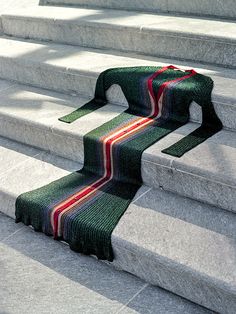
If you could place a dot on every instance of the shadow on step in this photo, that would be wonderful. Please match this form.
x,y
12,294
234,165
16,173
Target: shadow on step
x,y
35,154
92,282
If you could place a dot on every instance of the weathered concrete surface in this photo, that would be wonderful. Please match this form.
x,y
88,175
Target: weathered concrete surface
x,y
209,41
57,279
222,8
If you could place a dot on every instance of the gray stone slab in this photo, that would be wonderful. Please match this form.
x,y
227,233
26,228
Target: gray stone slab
x,y
142,5
66,282
4,85
206,173
13,155
7,227
181,245
60,280
222,8
211,41
151,302
27,115
7,5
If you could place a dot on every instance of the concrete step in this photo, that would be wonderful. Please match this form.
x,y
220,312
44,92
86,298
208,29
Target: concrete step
x,y
101,288
203,40
74,70
220,8
207,173
185,246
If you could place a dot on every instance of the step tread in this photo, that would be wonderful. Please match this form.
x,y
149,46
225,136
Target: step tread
x,y
104,289
187,238
94,61
143,22
30,115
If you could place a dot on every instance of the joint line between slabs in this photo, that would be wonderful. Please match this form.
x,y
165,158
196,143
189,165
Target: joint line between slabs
x,y
134,296
8,237
136,199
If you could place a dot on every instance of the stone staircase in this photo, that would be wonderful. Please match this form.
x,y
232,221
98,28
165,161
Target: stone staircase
x,y
180,231
211,41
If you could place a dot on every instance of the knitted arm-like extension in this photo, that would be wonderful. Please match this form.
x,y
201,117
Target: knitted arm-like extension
x,y
211,124
97,102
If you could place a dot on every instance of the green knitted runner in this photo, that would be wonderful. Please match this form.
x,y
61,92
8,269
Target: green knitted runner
x,y
84,207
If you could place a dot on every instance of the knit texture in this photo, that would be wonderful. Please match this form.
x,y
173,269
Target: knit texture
x,y
84,207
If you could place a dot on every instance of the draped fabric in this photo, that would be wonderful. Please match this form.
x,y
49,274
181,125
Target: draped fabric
x,y
84,207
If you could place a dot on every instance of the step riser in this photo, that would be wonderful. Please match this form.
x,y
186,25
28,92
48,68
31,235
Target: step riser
x,y
189,185
42,137
145,41
48,77
156,270
70,82
153,174
222,8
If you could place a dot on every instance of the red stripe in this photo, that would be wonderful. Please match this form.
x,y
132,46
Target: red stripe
x,y
165,85
73,201
100,182
150,81
117,136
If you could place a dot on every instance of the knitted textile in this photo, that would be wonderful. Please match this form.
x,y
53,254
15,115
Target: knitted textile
x,y
84,207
